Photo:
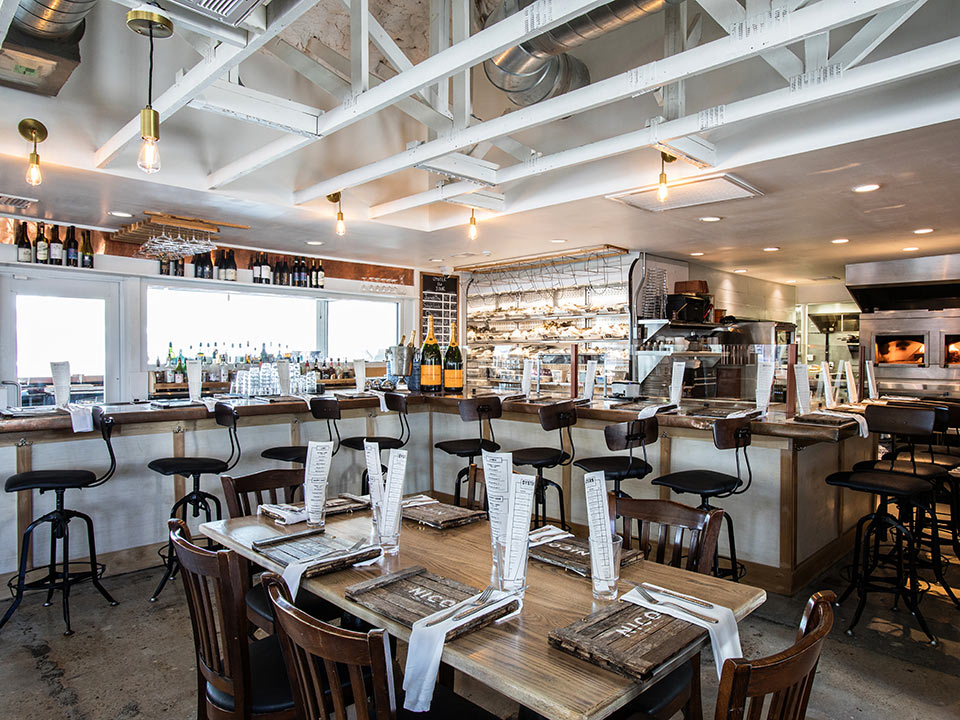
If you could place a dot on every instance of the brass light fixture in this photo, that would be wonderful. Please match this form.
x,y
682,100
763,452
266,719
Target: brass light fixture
x,y
35,132
341,225
472,231
146,20
662,190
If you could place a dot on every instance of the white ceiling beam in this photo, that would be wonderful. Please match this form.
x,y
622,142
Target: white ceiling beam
x,y
8,9
439,94
185,18
428,197
317,73
243,103
815,50
878,29
280,15
485,199
463,167
460,31
533,20
359,46
646,78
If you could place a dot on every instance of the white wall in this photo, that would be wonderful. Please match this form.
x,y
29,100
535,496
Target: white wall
x,y
747,297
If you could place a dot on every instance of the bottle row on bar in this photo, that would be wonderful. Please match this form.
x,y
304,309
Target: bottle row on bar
x,y
222,265
51,249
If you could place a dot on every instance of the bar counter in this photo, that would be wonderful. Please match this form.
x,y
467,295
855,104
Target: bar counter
x,y
790,525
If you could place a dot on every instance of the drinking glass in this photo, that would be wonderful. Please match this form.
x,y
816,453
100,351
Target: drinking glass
x,y
605,579
389,537
511,579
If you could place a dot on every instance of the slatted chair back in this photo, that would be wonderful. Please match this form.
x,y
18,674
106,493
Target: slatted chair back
x,y
213,584
686,537
778,687
246,492
319,657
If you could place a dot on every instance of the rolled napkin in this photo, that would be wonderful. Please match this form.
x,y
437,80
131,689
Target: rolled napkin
x,y
649,412
426,647
861,420
547,534
81,416
293,574
282,513
724,634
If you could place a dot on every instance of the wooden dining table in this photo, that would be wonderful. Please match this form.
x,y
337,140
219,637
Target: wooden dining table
x,y
513,658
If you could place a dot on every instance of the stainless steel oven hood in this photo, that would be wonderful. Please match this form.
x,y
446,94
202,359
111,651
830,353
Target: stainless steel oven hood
x,y
920,283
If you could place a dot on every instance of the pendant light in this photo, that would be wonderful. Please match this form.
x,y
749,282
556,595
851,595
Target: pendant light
x,y
146,20
35,132
341,225
662,190
472,231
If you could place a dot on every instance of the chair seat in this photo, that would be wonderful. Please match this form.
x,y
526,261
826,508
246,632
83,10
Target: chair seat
x,y
927,471
446,705
258,602
540,457
615,467
270,689
659,696
881,483
385,443
941,459
188,466
287,453
706,483
49,480
467,448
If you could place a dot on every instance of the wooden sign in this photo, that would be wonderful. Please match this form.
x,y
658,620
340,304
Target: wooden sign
x,y
413,593
574,554
345,504
442,516
831,420
626,638
302,547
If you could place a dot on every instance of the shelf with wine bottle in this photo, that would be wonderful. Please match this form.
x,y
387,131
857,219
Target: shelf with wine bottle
x,y
48,248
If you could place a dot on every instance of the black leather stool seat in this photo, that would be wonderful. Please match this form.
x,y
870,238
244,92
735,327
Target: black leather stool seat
x,y
881,483
385,443
615,467
706,483
941,459
927,471
319,608
49,480
270,688
287,453
662,694
188,466
467,448
540,457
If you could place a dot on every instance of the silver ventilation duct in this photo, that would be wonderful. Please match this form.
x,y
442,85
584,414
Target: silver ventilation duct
x,y
52,19
539,68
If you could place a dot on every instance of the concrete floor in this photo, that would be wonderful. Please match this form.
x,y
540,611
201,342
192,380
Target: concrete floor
x,y
136,660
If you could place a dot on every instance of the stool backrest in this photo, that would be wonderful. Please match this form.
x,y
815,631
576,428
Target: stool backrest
x,y
629,435
900,421
397,402
557,416
324,408
104,423
245,493
480,409
214,584
315,651
785,678
734,434
226,416
674,521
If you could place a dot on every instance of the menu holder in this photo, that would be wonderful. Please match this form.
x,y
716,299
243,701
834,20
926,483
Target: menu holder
x,y
299,548
345,504
413,593
627,639
831,420
574,554
442,516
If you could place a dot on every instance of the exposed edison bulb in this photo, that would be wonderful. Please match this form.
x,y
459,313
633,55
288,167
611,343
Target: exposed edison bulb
x,y
662,190
149,158
341,225
33,170
472,231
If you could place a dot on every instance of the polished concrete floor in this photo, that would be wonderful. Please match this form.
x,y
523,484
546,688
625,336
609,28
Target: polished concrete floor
x,y
136,660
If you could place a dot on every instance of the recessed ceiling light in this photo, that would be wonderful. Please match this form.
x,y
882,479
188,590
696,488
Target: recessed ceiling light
x,y
314,242
910,249
923,231
710,218
436,259
696,254
486,252
120,213
740,271
558,241
790,281
771,249
869,187
840,241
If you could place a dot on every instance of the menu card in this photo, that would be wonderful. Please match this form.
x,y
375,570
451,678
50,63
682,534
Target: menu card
x,y
598,520
765,370
316,472
360,373
871,380
828,395
853,393
516,532
801,377
283,373
61,382
371,453
194,380
591,379
393,492
676,382
527,380
497,469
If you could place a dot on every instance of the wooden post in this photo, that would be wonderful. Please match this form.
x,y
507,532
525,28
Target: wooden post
x,y
574,370
179,481
25,497
791,380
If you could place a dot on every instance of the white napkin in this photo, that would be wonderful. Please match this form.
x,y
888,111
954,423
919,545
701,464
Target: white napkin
x,y
288,514
547,534
426,646
211,403
305,398
898,397
383,400
81,416
861,420
415,500
724,635
649,412
293,574
742,413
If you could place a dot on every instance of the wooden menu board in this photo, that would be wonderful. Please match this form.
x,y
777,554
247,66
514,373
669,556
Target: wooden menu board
x,y
442,515
440,297
574,554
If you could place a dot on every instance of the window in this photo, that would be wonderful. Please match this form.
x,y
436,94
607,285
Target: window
x,y
361,329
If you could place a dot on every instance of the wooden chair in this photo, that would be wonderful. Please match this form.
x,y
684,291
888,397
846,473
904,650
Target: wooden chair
x,y
327,665
785,678
235,678
243,495
680,690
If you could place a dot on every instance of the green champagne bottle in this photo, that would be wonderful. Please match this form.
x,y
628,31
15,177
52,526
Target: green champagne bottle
x,y
453,364
431,362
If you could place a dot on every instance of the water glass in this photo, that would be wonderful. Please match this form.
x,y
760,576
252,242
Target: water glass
x,y
516,580
605,580
390,543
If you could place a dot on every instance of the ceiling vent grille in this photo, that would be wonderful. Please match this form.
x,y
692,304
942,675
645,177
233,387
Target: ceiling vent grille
x,y
15,201
688,193
230,12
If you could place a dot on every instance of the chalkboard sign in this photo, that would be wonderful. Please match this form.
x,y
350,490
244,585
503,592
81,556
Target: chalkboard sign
x,y
439,296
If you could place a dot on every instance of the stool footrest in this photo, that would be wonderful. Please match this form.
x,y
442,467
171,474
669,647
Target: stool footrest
x,y
55,580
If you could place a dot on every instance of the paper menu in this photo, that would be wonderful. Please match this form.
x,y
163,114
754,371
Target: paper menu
x,y
676,382
194,380
497,469
61,382
527,380
283,374
516,533
393,492
598,520
828,397
360,373
871,380
801,377
315,474
853,393
371,454
765,370
591,379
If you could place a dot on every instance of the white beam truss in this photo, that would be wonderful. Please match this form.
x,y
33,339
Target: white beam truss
x,y
185,18
751,40
462,108
873,33
243,103
359,46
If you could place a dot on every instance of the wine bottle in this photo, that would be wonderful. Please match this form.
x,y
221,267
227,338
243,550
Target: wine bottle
x,y
266,270
230,271
255,268
72,249
431,362
180,370
178,267
86,251
24,248
453,364
277,274
209,271
320,275
42,247
56,247
164,266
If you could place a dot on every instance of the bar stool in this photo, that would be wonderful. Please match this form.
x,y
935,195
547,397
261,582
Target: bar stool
x,y
322,409
728,434
479,409
226,416
946,416
555,416
624,436
397,403
59,481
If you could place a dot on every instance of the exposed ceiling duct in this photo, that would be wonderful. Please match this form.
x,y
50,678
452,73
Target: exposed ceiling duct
x,y
540,68
52,19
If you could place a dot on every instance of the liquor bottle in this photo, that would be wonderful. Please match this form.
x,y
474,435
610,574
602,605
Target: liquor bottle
x,y
180,370
255,268
230,270
24,248
453,364
431,362
72,249
320,275
170,353
41,246
56,247
86,251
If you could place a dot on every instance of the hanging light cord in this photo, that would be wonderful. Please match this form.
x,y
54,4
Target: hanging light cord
x,y
150,77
